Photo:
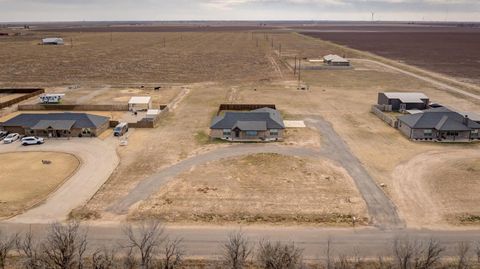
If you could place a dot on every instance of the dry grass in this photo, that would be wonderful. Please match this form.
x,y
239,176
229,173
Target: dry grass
x,y
260,188
23,169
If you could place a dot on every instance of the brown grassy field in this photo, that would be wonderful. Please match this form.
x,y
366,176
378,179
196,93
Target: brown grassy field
x,y
135,58
252,189
23,169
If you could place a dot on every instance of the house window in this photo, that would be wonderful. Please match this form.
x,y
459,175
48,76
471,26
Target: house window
x,y
475,131
251,133
274,132
427,132
452,133
227,132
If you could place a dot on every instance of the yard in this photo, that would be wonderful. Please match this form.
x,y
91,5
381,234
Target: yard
x,y
25,181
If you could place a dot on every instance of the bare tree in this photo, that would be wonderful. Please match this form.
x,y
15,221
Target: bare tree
x,y
329,253
103,259
279,256
406,252
30,251
383,264
236,251
477,251
146,240
431,255
173,254
463,249
129,261
64,246
7,244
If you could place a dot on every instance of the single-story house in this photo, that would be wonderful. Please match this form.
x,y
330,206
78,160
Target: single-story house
x,y
441,124
335,60
57,124
53,41
264,124
140,103
401,101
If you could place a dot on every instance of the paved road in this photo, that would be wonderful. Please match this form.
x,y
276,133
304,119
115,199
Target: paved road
x,y
151,185
432,81
381,209
98,160
205,241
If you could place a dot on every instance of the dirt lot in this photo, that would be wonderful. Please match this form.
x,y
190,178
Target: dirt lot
x,y
135,57
253,189
22,169
452,52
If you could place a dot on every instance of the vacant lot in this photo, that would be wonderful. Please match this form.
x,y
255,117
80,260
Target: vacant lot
x,y
135,57
452,52
253,189
26,181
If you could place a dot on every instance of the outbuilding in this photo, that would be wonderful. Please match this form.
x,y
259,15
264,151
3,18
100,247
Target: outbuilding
x,y
53,41
402,101
335,60
140,103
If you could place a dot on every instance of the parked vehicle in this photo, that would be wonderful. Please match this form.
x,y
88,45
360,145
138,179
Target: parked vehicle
x,y
3,134
120,129
10,138
32,140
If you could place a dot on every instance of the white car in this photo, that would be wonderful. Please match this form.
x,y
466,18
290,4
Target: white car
x,y
32,140
11,138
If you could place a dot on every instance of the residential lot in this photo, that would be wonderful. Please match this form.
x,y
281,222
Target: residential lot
x,y
203,70
21,170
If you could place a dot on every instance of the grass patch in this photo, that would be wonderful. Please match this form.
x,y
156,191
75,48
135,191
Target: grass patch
x,y
83,213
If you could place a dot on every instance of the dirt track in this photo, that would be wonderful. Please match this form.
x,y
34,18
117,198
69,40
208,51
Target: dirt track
x,y
98,160
419,205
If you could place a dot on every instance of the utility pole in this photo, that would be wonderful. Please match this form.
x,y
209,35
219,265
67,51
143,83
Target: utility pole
x,y
164,42
257,41
111,36
280,50
71,42
295,68
272,42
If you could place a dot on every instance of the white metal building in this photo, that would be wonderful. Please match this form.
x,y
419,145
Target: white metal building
x,y
53,41
51,98
140,103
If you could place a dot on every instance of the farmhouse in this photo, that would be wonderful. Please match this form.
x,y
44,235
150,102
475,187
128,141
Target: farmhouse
x,y
401,101
264,124
53,41
140,103
440,124
335,60
57,124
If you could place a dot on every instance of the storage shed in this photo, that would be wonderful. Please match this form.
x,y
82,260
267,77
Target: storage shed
x,y
402,101
140,103
53,41
335,60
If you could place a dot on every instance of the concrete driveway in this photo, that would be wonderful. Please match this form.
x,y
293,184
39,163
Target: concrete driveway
x,y
98,160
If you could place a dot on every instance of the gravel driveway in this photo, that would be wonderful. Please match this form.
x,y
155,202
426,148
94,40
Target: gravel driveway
x,y
98,160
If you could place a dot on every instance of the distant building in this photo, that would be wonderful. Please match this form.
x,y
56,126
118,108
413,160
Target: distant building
x,y
335,60
440,124
401,101
264,124
57,125
53,41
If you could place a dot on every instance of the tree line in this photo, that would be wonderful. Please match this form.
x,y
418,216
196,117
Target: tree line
x,y
148,246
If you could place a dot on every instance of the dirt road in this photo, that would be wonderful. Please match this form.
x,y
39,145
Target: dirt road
x,y
412,192
432,81
98,160
380,208
152,184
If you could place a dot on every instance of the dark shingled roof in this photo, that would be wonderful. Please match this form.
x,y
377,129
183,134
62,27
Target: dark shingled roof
x,y
441,119
255,120
81,120
54,124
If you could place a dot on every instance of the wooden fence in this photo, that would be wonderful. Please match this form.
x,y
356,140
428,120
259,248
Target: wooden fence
x,y
27,93
243,107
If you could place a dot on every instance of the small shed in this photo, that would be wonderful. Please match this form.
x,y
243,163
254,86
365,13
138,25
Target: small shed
x,y
140,103
53,41
335,60
152,113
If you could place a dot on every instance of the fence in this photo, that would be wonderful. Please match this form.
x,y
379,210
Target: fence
x,y
111,107
243,107
28,93
379,112
145,122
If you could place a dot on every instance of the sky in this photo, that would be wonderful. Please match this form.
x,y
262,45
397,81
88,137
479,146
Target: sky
x,y
163,10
